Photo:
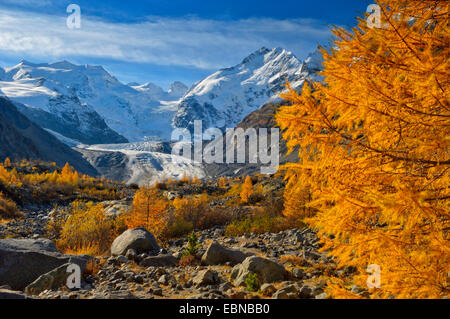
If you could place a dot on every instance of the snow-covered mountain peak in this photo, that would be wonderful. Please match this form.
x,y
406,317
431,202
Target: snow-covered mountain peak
x,y
224,98
149,88
177,89
175,92
65,89
255,55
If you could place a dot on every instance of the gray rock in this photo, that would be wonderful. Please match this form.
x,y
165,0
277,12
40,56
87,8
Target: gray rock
x,y
49,281
298,273
164,280
159,261
217,255
122,259
22,261
138,239
115,208
267,271
323,295
206,277
157,292
288,292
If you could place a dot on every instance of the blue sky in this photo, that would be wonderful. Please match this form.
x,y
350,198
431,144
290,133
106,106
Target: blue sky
x,y
162,41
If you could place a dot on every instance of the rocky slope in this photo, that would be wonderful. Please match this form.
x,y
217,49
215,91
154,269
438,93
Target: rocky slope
x,y
286,264
22,139
156,272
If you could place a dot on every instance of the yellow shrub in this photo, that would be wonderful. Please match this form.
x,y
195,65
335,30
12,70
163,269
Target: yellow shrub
x,y
8,209
87,230
259,223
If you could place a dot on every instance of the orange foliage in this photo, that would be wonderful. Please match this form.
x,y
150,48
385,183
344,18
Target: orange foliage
x,y
195,180
149,211
185,178
7,163
247,189
84,229
374,146
8,209
222,183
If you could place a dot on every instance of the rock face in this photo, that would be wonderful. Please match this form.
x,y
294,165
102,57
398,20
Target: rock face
x,y
51,280
21,138
138,239
217,255
266,270
22,261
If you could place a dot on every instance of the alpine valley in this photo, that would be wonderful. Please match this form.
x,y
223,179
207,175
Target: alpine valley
x,y
123,131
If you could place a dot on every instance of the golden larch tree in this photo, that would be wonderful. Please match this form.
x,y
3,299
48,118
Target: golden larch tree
x,y
149,211
7,163
373,141
247,189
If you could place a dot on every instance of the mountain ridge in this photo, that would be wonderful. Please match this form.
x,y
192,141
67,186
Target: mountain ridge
x,y
20,139
72,94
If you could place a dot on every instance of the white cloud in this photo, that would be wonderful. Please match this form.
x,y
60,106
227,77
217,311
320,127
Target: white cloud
x,y
188,41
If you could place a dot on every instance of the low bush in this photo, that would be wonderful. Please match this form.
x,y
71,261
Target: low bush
x,y
189,260
252,282
193,245
259,223
8,209
84,229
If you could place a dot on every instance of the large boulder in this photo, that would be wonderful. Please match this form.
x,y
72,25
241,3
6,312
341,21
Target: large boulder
x,y
22,261
216,254
139,239
267,271
206,277
49,281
